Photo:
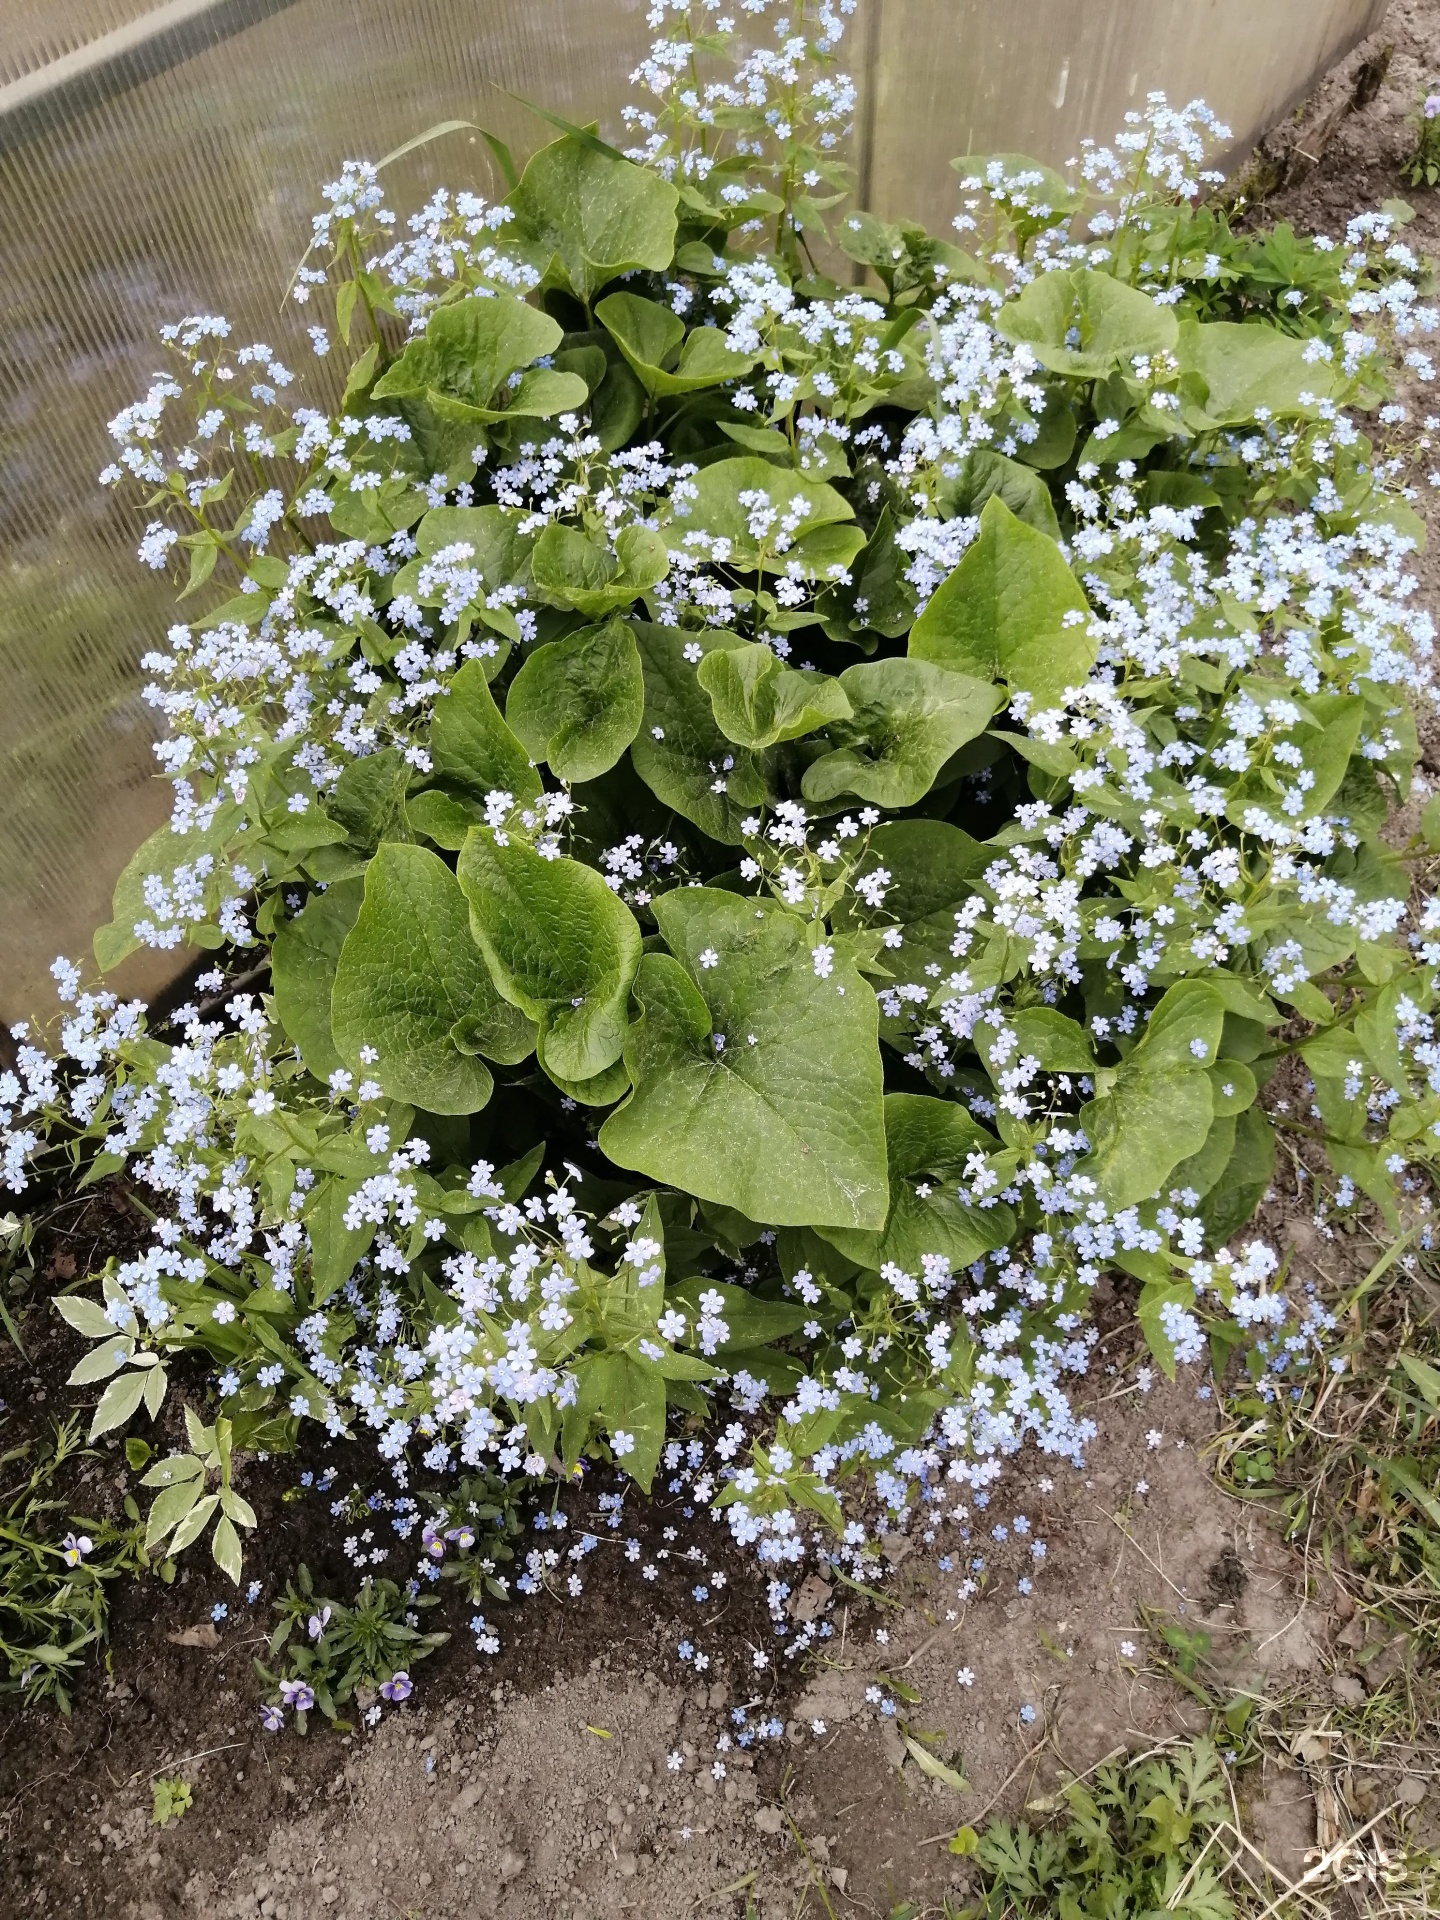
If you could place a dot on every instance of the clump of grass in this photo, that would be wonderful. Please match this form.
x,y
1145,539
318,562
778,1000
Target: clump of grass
x,y
54,1571
1349,1460
1137,1838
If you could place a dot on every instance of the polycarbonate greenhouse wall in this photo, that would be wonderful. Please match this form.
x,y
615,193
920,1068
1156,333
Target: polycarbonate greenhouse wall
x,y
161,157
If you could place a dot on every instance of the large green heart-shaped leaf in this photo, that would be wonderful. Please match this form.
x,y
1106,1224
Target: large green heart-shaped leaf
x,y
1250,367
469,351
302,971
577,703
759,702
929,1142
983,473
933,870
368,799
1158,1106
679,752
500,551
907,718
594,213
560,946
408,974
162,854
650,338
877,598
471,747
1012,610
1116,323
753,514
757,1083
580,570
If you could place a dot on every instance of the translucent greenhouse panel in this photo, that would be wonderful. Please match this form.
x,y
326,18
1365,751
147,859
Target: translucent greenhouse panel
x,y
162,159
1037,76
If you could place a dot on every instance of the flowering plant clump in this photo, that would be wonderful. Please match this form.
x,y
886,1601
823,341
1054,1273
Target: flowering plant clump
x,y
326,1654
795,779
1422,169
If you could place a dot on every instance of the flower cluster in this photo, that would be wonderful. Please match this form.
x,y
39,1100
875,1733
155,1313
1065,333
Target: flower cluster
x,y
794,830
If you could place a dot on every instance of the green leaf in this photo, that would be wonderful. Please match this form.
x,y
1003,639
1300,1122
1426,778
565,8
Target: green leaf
x,y
559,945
102,1360
783,1121
499,551
472,750
194,1523
120,1399
752,1320
983,474
303,960
300,834
470,349
632,1400
88,1317
225,1548
1425,1377
1158,1108
934,868
442,818
907,718
596,215
170,1507
650,337
878,599
1252,366
1232,1201
928,1143
161,854
935,1768
679,752
1012,610
1043,186
369,797
758,701
577,703
617,406
727,507
1051,1037
1115,323
600,1090
334,1247
580,570
1232,1087
1203,1169
408,972
1154,1296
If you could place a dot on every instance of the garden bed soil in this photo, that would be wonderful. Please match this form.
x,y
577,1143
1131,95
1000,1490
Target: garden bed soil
x,y
538,1782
